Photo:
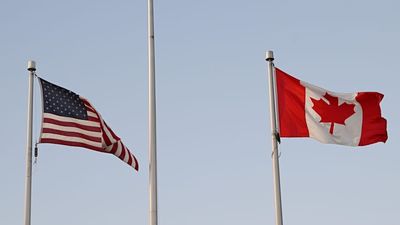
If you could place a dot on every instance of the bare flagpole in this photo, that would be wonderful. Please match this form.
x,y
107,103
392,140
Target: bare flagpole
x,y
275,137
28,178
153,217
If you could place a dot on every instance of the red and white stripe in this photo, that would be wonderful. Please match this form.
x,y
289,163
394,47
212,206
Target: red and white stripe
x,y
93,134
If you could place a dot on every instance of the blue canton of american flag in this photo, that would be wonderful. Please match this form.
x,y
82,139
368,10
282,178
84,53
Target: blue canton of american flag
x,y
69,119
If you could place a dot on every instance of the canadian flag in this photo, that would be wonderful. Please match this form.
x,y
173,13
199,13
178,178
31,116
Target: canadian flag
x,y
306,110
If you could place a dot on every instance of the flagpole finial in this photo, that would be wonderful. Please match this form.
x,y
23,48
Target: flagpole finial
x,y
31,65
269,55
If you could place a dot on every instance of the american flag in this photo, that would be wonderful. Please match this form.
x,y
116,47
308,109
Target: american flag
x,y
70,119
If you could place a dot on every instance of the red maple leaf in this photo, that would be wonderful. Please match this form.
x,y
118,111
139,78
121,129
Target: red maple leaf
x,y
333,112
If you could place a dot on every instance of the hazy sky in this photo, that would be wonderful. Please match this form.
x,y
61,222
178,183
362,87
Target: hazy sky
x,y
214,151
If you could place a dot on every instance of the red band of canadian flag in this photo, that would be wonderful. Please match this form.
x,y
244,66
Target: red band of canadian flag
x,y
306,110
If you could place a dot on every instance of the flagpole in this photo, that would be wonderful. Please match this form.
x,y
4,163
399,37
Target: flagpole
x,y
28,178
153,217
275,135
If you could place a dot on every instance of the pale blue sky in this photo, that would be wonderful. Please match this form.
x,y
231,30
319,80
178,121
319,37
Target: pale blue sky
x,y
213,122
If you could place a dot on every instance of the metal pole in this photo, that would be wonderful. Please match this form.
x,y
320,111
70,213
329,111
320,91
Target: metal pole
x,y
153,217
28,178
274,132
